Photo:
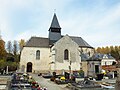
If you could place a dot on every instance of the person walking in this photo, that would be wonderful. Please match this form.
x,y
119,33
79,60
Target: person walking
x,y
38,87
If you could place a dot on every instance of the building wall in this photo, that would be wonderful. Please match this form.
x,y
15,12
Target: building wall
x,y
84,67
58,55
91,67
89,51
106,61
28,54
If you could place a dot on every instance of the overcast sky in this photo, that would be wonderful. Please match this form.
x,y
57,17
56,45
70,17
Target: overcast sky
x,y
96,21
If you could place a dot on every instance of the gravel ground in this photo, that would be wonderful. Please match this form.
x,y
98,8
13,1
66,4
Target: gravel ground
x,y
48,84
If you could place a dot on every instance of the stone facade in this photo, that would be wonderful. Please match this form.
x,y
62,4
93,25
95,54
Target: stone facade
x,y
89,67
58,56
84,67
28,54
94,67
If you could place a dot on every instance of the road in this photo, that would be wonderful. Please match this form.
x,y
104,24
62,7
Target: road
x,y
47,83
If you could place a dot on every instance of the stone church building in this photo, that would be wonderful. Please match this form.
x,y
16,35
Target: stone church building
x,y
56,53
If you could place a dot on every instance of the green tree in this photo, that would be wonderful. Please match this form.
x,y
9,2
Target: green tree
x,y
2,64
12,66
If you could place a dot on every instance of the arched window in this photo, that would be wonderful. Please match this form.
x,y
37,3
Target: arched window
x,y
37,54
66,54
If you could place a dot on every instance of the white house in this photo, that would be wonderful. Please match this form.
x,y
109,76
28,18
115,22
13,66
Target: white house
x,y
55,53
107,60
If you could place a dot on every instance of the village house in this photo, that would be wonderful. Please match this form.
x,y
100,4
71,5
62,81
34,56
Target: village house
x,y
56,53
107,59
97,64
92,65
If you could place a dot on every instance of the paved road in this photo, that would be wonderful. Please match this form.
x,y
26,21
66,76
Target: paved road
x,y
48,84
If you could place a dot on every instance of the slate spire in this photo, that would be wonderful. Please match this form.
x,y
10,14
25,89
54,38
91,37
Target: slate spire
x,y
55,23
54,30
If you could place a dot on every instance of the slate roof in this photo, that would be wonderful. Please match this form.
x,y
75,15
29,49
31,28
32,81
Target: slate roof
x,y
101,56
37,42
84,57
96,56
44,42
55,23
109,56
80,42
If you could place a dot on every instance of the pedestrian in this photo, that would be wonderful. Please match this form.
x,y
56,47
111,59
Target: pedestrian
x,y
38,87
44,88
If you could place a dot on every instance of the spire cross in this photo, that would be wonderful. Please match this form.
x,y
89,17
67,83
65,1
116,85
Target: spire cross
x,y
54,10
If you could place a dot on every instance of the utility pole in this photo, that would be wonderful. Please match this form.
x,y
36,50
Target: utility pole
x,y
70,68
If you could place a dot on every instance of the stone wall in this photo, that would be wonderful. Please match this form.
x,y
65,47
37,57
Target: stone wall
x,y
74,56
28,54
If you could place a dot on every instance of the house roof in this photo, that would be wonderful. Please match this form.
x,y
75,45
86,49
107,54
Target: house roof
x,y
86,57
80,42
96,56
103,56
37,42
55,23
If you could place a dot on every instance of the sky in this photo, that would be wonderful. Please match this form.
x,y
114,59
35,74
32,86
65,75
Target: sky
x,y
96,21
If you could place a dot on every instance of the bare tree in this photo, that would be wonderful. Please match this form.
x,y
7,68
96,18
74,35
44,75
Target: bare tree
x,y
9,47
15,47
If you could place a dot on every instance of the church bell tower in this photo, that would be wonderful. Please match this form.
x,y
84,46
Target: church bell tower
x,y
54,31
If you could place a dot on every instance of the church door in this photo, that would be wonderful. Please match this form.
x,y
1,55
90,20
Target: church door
x,y
29,67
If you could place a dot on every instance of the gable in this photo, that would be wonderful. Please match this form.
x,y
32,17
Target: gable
x,y
66,43
66,40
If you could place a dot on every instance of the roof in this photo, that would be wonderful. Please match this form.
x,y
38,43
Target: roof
x,y
80,42
108,56
44,42
86,57
55,23
103,56
37,42
96,56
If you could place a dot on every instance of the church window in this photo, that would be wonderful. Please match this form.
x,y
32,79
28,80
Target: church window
x,y
66,54
37,54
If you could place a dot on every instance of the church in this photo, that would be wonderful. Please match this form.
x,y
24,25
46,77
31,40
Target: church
x,y
56,53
